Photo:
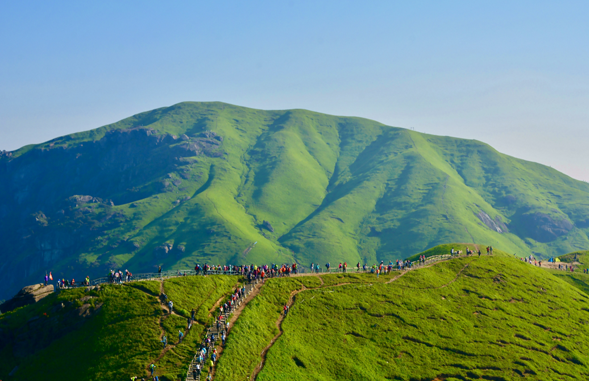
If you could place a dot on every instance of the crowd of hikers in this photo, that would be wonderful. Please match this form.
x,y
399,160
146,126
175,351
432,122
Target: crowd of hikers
x,y
66,283
556,265
206,351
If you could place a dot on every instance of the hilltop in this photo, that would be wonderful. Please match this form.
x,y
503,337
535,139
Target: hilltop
x,y
490,317
217,183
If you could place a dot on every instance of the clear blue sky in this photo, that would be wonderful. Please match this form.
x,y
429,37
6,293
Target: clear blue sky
x,y
511,73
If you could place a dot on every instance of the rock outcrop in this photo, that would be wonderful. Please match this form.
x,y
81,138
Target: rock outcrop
x,y
496,224
163,250
267,225
26,296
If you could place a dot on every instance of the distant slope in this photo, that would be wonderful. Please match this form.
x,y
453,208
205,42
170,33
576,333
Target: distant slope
x,y
492,318
196,181
581,257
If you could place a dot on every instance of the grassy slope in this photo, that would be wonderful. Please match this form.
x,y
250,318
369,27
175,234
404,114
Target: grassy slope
x,y
121,339
578,256
389,331
500,319
333,188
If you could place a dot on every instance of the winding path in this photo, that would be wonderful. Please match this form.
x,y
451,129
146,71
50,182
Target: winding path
x,y
293,295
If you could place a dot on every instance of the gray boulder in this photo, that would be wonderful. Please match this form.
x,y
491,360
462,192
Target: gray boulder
x,y
28,295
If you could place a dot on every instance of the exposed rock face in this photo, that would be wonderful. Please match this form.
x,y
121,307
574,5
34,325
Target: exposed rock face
x,y
496,225
26,296
82,199
268,226
208,143
163,250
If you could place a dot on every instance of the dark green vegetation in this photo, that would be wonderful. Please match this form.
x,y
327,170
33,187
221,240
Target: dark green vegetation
x,y
493,318
197,182
107,334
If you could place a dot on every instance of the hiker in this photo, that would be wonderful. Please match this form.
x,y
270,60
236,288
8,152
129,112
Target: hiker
x,y
223,337
46,279
171,305
479,253
285,309
358,266
165,341
159,270
180,337
152,368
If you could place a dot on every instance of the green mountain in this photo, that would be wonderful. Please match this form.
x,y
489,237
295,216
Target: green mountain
x,y
489,317
217,183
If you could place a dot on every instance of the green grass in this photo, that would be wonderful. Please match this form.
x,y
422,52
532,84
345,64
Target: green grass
x,y
363,192
118,341
149,286
494,317
578,256
352,277
254,329
576,279
501,319
203,293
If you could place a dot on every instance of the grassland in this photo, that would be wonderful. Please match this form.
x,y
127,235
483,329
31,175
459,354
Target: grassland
x,y
117,338
469,318
332,188
489,317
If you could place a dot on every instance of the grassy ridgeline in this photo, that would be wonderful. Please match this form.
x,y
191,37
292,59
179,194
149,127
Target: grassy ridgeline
x,y
119,337
467,318
331,188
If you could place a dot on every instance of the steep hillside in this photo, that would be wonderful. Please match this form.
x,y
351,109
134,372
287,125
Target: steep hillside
x,y
212,182
492,318
113,332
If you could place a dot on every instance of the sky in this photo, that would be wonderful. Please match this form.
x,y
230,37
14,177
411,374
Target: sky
x,y
511,74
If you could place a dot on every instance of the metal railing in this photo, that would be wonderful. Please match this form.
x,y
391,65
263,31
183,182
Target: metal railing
x,y
234,271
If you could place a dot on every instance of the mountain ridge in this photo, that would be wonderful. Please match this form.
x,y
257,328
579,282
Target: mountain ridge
x,y
197,182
